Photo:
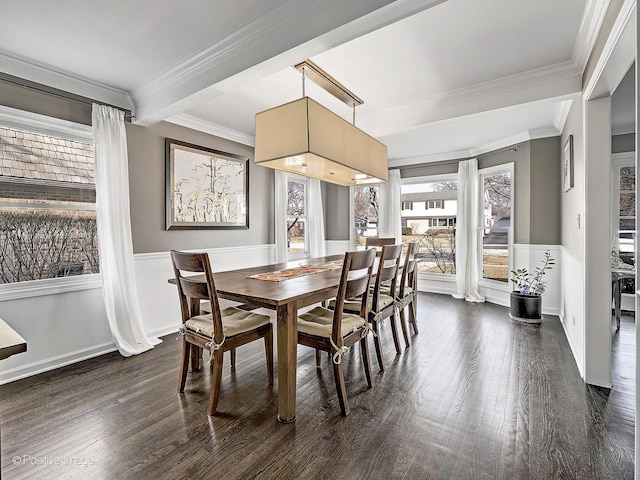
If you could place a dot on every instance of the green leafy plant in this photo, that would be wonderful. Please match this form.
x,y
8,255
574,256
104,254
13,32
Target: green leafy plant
x,y
532,283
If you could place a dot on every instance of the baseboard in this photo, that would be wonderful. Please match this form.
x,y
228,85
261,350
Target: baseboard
x,y
576,358
55,362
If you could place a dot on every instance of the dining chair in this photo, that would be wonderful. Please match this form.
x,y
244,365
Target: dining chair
x,y
406,294
335,331
377,242
218,331
381,305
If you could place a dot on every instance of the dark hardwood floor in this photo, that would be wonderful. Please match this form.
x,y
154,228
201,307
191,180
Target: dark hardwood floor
x,y
476,396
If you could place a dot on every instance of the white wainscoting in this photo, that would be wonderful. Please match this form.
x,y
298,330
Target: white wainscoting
x,y
527,256
337,247
63,326
159,299
572,305
60,328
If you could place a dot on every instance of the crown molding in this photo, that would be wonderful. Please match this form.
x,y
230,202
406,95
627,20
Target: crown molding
x,y
562,112
494,145
263,46
592,19
559,80
196,123
46,75
263,39
617,54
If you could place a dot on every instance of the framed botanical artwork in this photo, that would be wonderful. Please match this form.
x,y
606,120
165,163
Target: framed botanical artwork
x,y
567,163
205,188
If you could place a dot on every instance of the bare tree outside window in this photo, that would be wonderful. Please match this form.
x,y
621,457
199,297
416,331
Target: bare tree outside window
x,y
48,218
365,212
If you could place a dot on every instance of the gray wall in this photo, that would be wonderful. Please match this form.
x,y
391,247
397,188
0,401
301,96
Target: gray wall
x,y
335,199
623,143
537,180
146,147
546,187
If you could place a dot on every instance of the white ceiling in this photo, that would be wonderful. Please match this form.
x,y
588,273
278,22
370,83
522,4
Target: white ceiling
x,y
440,78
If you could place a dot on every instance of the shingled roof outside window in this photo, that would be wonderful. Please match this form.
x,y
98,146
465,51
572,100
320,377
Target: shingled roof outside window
x,y
42,157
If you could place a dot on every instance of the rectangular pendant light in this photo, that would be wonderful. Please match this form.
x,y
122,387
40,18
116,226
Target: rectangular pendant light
x,y
306,138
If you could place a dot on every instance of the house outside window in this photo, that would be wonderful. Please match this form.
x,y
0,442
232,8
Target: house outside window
x,y
47,203
435,204
407,205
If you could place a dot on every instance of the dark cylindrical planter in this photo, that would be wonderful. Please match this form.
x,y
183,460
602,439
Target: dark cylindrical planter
x,y
526,308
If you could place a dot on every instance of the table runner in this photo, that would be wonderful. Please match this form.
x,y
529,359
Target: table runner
x,y
302,270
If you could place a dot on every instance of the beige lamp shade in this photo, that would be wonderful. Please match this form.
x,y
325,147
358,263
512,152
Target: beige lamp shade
x,y
306,138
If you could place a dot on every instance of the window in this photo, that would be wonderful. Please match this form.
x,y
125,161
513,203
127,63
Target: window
x,y
407,205
365,213
47,199
496,229
436,235
623,212
297,221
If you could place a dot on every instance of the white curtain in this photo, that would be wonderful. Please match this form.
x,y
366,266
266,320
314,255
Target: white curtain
x,y
114,232
467,224
315,227
390,222
280,216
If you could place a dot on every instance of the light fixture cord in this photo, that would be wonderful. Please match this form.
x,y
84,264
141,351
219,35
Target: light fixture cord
x,y
303,85
353,106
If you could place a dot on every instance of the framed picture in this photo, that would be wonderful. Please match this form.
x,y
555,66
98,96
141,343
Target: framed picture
x,y
205,188
567,163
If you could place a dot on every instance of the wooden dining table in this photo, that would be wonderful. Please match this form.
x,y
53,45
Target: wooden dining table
x,y
285,297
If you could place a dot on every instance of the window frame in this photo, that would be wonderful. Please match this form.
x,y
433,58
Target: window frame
x,y
445,278
488,172
618,161
291,177
42,124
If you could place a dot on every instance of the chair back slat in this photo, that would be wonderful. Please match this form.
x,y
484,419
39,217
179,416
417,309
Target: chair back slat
x,y
354,282
378,241
192,291
387,270
410,269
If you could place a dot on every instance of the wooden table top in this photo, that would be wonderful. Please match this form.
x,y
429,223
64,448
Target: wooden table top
x,y
234,284
10,341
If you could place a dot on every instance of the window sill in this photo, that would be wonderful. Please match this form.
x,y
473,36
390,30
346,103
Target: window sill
x,y
49,286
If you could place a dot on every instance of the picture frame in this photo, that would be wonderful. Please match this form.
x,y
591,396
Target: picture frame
x,y
567,163
205,188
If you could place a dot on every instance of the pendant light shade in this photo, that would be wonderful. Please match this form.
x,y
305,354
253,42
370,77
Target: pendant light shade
x,y
306,138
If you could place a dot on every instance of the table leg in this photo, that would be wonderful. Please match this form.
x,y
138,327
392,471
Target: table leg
x,y
617,300
287,328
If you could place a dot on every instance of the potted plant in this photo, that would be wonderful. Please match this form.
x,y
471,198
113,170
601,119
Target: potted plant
x,y
526,298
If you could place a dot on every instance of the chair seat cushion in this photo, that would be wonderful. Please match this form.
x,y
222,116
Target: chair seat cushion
x,y
407,291
353,305
234,322
319,322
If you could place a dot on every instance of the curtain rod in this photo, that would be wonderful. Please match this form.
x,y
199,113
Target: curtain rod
x,y
60,93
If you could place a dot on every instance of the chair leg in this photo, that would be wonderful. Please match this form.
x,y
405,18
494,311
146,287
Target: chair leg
x,y
268,349
196,358
405,330
216,380
394,331
233,357
364,350
184,364
413,314
376,342
318,358
340,387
